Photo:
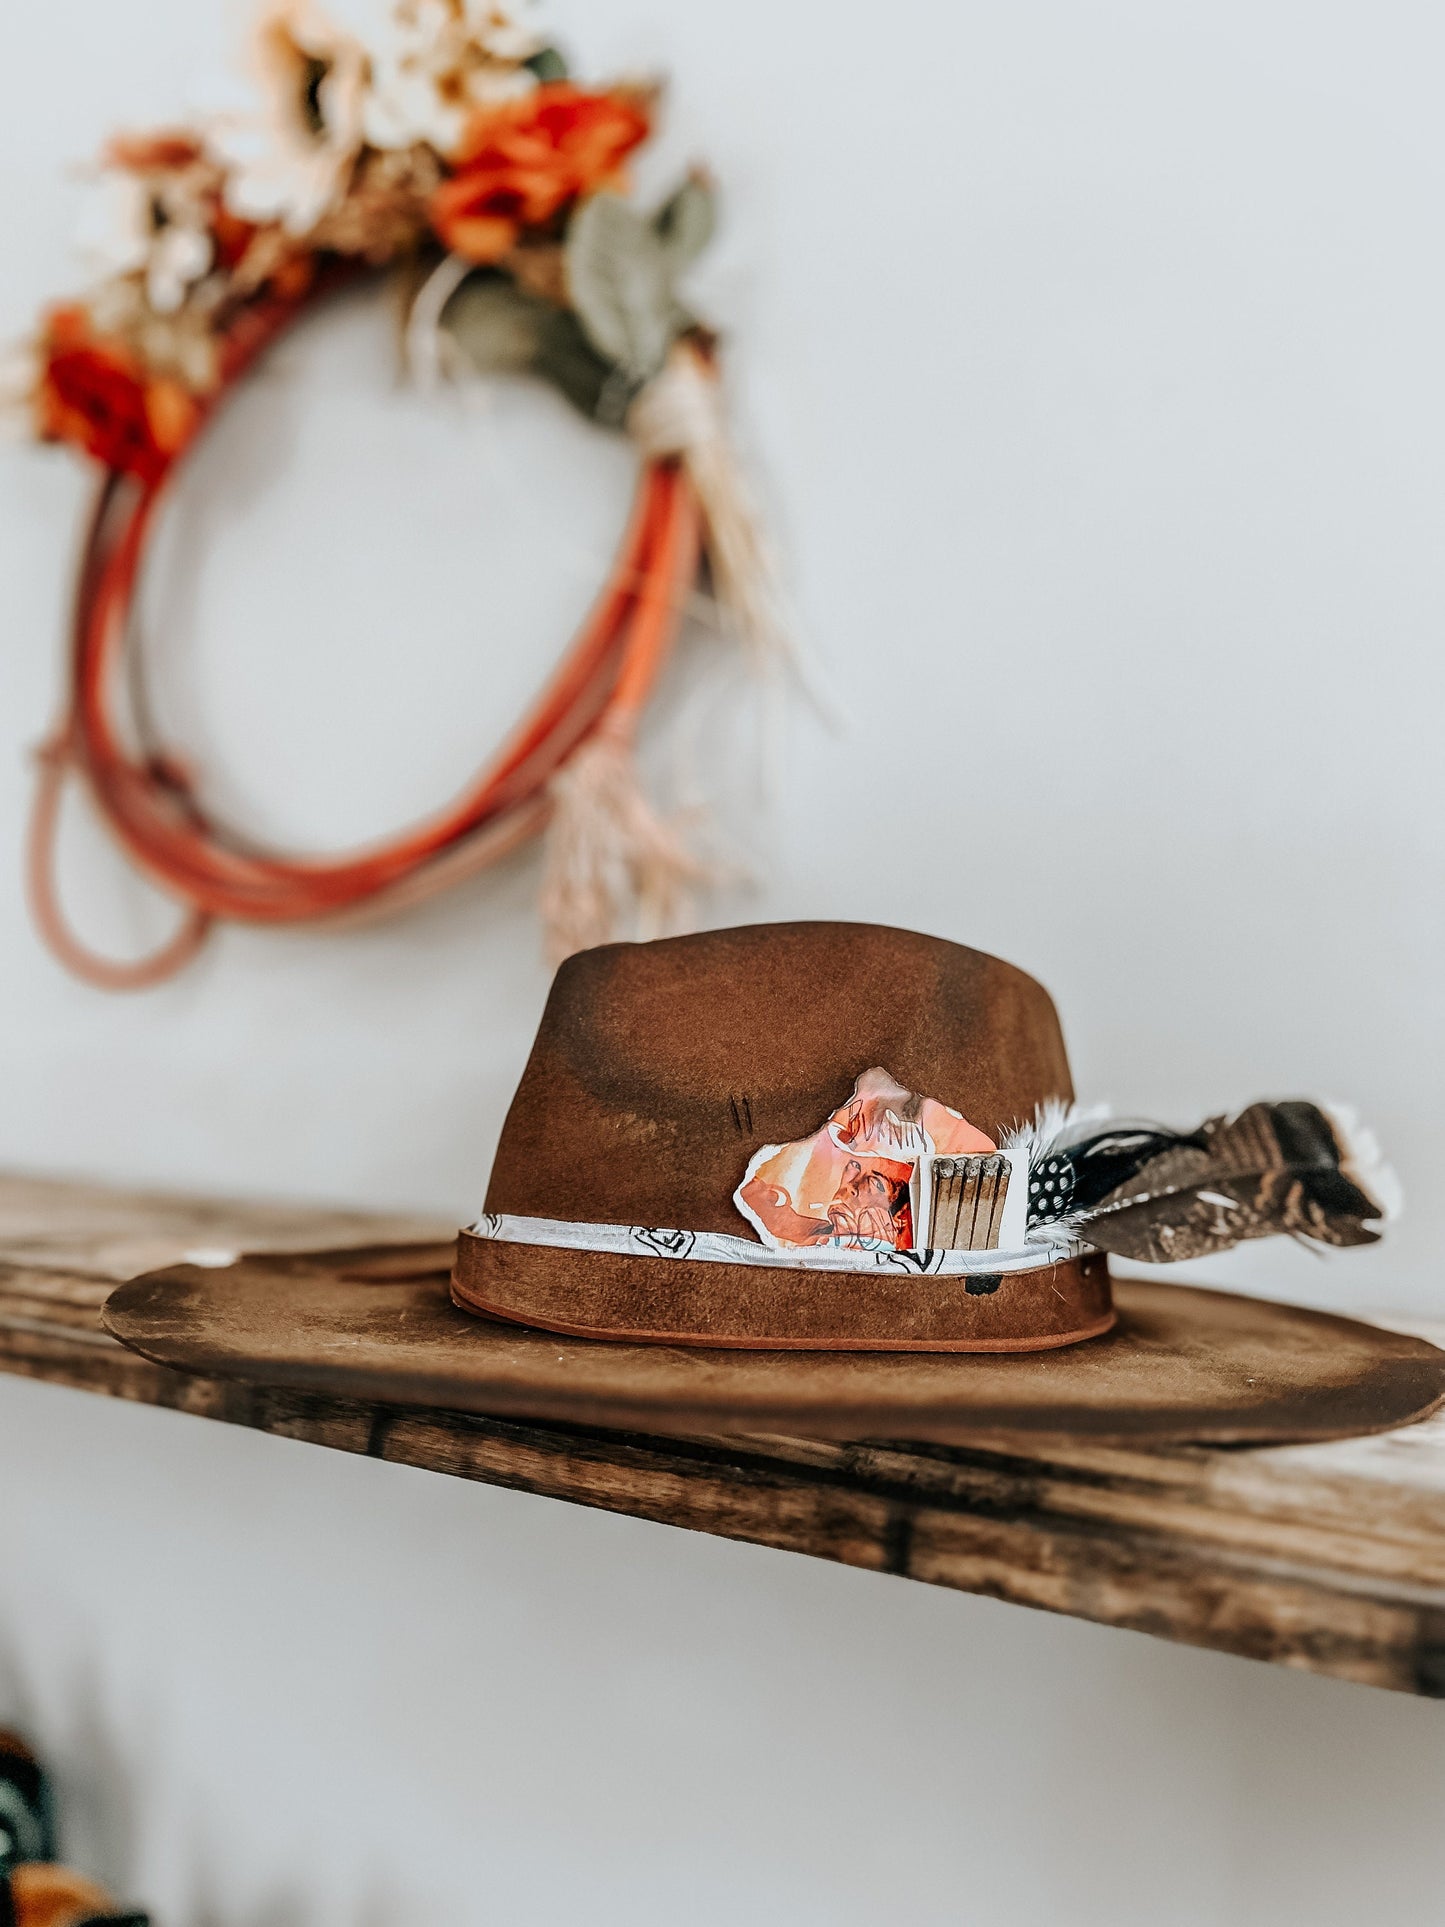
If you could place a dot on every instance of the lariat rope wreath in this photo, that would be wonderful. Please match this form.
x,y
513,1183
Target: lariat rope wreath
x,y
461,152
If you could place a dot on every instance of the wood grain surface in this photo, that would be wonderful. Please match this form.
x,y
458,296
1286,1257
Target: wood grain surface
x,y
1329,1557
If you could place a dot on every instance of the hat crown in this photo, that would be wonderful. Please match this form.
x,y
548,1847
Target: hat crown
x,y
660,1068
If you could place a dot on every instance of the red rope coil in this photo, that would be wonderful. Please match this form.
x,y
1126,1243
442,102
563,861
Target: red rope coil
x,y
216,872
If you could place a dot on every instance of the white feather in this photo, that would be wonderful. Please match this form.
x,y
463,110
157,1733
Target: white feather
x,y
1363,1162
1055,1120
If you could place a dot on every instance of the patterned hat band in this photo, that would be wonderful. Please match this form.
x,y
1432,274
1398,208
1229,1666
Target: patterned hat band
x,y
718,1248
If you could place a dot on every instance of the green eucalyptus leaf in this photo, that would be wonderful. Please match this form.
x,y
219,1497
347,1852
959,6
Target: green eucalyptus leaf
x,y
548,63
620,275
503,330
685,223
599,388
496,324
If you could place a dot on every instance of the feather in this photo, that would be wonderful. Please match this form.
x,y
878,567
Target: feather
x,y
1077,1155
1362,1160
1291,1168
1056,1121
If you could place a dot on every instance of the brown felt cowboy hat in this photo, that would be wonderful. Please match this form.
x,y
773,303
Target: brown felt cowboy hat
x,y
837,1136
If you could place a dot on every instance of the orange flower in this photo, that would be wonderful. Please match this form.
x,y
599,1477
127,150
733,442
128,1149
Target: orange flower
x,y
231,235
162,152
94,394
525,159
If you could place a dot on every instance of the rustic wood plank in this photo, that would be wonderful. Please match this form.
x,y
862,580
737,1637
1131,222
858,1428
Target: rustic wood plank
x,y
1325,1557
107,1232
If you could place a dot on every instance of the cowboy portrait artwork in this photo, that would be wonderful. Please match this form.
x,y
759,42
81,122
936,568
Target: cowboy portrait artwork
x,y
851,1184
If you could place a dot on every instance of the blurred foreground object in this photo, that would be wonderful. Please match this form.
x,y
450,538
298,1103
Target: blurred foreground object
x,y
459,153
34,1891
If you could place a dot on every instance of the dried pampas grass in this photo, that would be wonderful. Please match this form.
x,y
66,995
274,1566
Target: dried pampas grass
x,y
609,852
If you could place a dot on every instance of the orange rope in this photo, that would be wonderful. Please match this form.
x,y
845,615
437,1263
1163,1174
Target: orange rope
x,y
214,871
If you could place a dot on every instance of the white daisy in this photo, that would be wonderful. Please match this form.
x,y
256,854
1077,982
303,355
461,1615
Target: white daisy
x,y
151,225
292,161
446,59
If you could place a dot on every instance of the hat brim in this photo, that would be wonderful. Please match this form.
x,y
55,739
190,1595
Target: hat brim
x,y
1181,1364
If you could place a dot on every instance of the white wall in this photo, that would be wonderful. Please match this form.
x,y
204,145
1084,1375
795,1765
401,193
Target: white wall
x,y
1091,359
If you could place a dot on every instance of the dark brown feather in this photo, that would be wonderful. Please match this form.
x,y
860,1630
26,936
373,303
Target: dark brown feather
x,y
1275,1168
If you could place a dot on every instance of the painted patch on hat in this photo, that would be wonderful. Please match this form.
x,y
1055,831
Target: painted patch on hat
x,y
861,1181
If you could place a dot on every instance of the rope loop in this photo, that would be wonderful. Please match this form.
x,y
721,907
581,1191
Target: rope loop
x,y
146,792
104,973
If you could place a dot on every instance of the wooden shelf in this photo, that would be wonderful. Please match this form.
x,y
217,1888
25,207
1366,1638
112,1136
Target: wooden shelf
x,y
1326,1557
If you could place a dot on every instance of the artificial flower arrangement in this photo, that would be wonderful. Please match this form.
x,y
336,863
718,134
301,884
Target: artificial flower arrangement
x,y
462,152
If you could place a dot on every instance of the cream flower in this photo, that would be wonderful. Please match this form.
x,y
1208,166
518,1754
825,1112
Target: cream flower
x,y
181,344
154,226
20,372
150,216
448,58
292,162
